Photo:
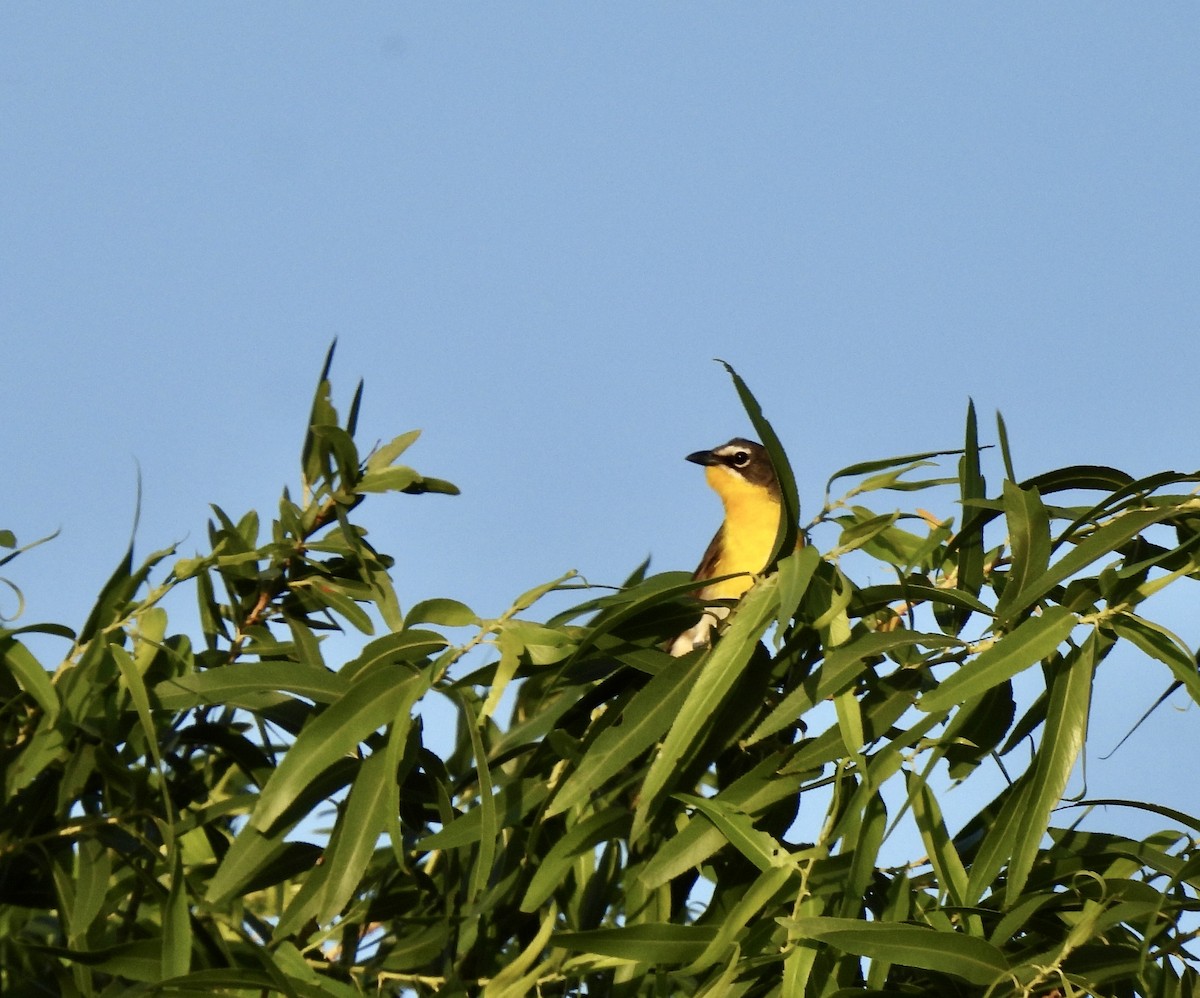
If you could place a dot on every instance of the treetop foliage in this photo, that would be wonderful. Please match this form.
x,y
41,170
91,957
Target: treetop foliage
x,y
236,812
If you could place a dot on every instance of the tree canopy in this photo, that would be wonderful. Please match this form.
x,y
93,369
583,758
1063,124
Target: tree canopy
x,y
235,811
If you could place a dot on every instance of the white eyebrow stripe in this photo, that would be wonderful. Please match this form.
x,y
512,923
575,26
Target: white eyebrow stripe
x,y
728,450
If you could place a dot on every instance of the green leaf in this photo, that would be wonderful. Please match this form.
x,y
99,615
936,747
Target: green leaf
x,y
446,612
947,864
1031,641
1005,453
514,981
93,868
232,683
644,719
485,855
356,835
973,959
408,647
383,456
1101,542
398,479
177,926
631,603
1029,537
722,666
699,838
867,467
748,908
796,571
369,704
842,666
761,848
970,541
1022,822
555,867
785,538
140,960
1162,644
650,942
1170,813
29,673
914,592
514,801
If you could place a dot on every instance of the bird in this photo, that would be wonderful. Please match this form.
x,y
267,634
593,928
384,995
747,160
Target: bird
x,y
741,474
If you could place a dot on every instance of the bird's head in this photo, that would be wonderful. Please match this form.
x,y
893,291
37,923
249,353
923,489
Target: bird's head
x,y
738,469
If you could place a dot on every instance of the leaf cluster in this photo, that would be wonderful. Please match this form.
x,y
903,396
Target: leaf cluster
x,y
248,810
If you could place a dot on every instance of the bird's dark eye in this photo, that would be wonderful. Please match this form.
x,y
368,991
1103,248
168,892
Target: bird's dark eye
x,y
740,459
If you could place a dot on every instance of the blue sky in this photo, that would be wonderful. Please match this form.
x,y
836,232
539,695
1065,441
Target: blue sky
x,y
532,226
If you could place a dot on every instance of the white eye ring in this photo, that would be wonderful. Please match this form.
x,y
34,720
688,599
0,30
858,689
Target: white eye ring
x,y
741,459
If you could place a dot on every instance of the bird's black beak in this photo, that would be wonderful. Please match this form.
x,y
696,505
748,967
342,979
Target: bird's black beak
x,y
703,457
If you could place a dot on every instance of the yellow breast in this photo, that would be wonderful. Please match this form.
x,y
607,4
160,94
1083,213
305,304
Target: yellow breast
x,y
748,534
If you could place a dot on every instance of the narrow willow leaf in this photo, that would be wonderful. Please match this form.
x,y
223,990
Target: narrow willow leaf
x,y
850,721
1062,742
29,673
1031,641
513,802
512,982
489,831
140,960
859,531
630,603
1029,538
1103,541
972,488
796,571
1018,830
947,864
720,986
410,646
801,954
1081,476
891,479
446,612
368,705
93,868
842,667
141,700
343,604
308,646
699,838
914,592
510,660
531,596
761,848
722,666
218,686
643,721
291,966
785,538
649,942
863,849
973,959
555,866
749,906
177,926
383,456
1172,814
866,467
1162,644
398,479
356,835
1005,452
